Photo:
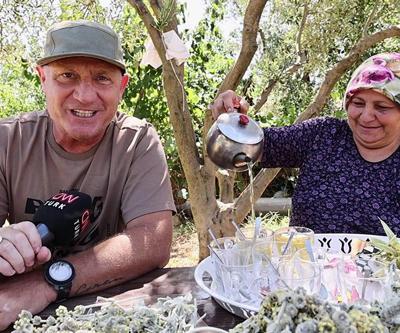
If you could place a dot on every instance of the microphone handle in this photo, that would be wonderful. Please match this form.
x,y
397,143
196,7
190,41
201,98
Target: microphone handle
x,y
46,235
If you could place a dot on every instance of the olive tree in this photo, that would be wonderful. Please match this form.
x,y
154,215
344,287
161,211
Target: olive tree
x,y
330,35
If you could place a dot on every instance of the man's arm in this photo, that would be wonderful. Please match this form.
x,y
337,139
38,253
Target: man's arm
x,y
143,246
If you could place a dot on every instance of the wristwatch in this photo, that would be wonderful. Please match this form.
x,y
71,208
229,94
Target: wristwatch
x,y
60,274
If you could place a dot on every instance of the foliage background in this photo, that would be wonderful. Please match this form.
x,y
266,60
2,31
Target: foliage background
x,y
332,26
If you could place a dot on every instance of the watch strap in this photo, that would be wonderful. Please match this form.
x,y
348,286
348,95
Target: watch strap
x,y
62,292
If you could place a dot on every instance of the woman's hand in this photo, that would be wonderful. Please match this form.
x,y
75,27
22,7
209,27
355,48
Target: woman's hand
x,y
21,248
228,101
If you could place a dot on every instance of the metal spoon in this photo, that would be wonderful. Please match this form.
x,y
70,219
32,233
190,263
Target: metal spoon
x,y
286,248
367,273
323,292
214,238
240,232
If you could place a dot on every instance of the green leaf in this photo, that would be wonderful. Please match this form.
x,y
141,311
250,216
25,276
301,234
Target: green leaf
x,y
381,245
389,233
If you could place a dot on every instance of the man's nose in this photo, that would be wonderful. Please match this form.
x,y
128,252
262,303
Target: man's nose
x,y
84,92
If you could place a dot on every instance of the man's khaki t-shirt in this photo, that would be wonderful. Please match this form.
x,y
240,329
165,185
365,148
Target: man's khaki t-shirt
x,y
126,174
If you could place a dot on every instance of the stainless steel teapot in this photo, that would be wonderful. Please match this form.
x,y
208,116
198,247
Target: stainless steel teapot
x,y
234,140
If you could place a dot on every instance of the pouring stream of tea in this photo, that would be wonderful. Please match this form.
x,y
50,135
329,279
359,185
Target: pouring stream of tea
x,y
251,179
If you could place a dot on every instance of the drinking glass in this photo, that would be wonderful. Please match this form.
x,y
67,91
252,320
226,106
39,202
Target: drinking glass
x,y
294,273
298,241
369,283
290,273
236,272
218,246
337,267
370,289
248,233
318,257
262,244
349,279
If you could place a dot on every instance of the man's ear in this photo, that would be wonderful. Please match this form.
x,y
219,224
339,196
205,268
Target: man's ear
x,y
124,83
42,76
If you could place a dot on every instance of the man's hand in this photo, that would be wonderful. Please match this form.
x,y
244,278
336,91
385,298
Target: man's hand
x,y
23,292
21,248
228,101
144,245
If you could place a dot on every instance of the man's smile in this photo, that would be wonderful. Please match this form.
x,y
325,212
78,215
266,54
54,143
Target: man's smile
x,y
83,113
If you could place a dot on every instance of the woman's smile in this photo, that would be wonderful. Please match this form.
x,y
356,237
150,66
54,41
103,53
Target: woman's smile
x,y
375,122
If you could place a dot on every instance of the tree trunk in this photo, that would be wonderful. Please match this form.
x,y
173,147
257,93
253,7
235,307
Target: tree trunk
x,y
208,212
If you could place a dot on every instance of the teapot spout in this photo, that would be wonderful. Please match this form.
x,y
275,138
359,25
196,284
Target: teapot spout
x,y
241,160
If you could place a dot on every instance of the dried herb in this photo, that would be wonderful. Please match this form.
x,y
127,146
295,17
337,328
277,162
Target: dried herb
x,y
295,311
178,314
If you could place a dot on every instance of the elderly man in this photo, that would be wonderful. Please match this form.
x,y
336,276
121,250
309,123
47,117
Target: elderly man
x,y
80,142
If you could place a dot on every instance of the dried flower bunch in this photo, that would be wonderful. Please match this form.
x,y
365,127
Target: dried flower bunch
x,y
286,311
177,314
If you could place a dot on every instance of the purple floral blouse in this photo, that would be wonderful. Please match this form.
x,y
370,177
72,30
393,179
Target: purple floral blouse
x,y
337,190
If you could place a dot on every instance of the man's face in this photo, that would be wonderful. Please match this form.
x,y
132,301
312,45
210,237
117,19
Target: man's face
x,y
82,96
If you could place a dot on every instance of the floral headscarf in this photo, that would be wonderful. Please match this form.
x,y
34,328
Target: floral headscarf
x,y
381,73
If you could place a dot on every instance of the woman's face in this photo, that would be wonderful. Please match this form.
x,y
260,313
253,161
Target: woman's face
x,y
374,120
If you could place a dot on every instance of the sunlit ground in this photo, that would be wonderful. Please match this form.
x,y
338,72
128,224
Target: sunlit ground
x,y
184,252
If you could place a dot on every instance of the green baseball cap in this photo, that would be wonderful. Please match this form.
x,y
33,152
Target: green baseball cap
x,y
82,38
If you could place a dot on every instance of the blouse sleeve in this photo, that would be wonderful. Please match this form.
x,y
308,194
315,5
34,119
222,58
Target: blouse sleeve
x,y
289,146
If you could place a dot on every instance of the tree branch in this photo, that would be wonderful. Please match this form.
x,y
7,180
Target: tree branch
x,y
299,48
263,41
334,74
271,85
180,117
370,18
156,7
290,70
260,183
251,24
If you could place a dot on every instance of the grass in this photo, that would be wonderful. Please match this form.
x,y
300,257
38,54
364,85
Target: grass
x,y
184,251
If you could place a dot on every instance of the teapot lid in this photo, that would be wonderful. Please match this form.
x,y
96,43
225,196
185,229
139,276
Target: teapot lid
x,y
240,128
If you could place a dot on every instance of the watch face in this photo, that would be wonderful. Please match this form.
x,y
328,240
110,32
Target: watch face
x,y
60,271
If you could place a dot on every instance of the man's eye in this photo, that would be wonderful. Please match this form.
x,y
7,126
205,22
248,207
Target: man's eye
x,y
103,79
68,75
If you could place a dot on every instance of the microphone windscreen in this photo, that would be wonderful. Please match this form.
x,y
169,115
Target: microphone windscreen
x,y
66,214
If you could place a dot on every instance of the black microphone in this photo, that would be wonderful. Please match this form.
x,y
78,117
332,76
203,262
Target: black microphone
x,y
61,219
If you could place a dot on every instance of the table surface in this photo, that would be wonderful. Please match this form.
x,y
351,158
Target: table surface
x,y
159,283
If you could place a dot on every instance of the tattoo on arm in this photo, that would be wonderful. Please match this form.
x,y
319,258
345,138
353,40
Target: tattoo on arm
x,y
84,288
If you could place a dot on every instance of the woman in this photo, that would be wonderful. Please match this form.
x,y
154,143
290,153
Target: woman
x,y
349,175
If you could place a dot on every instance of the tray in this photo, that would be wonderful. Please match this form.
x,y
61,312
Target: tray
x,y
205,272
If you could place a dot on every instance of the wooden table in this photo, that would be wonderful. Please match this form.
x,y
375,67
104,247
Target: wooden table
x,y
158,283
